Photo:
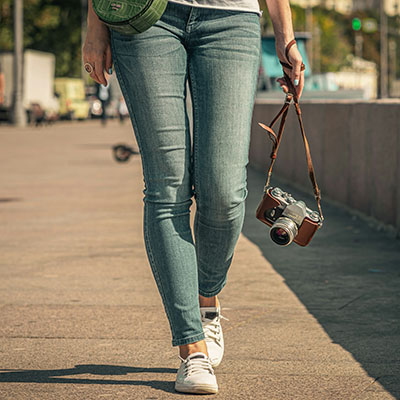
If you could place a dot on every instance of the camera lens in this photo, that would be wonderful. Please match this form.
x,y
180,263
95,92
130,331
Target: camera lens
x,y
280,236
283,231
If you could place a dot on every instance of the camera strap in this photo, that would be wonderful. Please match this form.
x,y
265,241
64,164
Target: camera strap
x,y
291,96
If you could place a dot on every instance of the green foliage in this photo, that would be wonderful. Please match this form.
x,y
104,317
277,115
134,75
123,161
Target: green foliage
x,y
6,21
337,37
335,42
55,26
49,25
330,50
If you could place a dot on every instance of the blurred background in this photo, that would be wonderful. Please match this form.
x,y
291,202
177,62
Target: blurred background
x,y
350,47
80,313
42,78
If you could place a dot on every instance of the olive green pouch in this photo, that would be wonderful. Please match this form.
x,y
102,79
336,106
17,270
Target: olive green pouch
x,y
129,16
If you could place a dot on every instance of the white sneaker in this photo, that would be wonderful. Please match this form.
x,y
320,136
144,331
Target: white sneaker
x,y
211,321
196,375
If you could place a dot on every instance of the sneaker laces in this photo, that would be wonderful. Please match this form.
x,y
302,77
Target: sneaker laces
x,y
197,364
212,328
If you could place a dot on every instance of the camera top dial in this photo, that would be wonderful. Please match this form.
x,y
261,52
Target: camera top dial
x,y
286,199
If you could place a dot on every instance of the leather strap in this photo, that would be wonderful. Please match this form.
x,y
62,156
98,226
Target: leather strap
x,y
288,47
292,89
276,138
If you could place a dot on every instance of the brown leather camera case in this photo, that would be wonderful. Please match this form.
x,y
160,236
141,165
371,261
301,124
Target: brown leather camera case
x,y
306,230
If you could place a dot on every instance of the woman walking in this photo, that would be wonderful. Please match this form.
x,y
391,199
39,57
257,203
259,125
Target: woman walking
x,y
214,46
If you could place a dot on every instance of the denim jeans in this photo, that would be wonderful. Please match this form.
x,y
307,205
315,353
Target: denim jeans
x,y
217,52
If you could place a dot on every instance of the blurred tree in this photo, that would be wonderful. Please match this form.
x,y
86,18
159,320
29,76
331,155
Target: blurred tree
x,y
337,36
49,25
55,26
335,43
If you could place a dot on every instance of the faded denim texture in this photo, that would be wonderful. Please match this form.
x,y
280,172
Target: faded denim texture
x,y
217,52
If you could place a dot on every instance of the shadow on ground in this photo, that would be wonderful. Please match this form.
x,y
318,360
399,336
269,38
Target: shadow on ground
x,y
61,376
348,278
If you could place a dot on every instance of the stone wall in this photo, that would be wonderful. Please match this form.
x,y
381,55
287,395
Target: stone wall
x,y
355,149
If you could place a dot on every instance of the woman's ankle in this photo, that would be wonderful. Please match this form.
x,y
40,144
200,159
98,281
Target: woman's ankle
x,y
190,348
208,301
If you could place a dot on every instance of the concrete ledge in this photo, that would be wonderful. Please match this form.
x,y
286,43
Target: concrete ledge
x,y
355,149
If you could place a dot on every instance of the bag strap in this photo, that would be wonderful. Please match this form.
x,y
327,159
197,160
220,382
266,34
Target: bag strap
x,y
276,139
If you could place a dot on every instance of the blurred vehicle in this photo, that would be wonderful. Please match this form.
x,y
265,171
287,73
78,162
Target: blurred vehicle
x,y
38,90
72,99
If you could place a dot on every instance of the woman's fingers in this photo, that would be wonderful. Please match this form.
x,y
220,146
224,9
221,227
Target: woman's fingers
x,y
296,74
93,73
96,51
99,69
97,63
300,86
108,61
283,84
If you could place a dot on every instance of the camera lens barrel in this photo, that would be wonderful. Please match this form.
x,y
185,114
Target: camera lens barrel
x,y
283,231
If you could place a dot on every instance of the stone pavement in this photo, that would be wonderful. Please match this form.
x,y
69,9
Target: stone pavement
x,y
81,317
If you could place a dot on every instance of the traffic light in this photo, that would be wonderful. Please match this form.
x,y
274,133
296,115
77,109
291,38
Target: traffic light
x,y
356,24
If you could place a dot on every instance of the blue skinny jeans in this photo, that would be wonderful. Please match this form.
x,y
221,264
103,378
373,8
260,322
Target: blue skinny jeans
x,y
217,52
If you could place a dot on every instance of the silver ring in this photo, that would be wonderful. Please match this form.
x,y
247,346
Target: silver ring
x,y
88,67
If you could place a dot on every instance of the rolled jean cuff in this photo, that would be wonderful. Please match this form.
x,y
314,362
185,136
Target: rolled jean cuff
x,y
190,339
214,292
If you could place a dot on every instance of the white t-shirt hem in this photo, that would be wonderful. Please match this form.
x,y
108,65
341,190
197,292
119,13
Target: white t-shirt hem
x,y
217,7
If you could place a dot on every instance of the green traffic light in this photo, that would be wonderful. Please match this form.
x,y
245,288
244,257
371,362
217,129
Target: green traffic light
x,y
356,24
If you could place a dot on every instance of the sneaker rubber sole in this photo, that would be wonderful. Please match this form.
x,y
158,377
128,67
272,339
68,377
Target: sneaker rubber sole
x,y
196,389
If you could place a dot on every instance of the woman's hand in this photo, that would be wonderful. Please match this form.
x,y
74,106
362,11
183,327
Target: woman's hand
x,y
295,74
96,50
281,17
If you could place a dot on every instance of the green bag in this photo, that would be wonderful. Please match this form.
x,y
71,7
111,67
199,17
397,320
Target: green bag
x,y
129,16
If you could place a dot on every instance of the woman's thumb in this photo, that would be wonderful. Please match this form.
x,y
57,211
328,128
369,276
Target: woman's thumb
x,y
108,60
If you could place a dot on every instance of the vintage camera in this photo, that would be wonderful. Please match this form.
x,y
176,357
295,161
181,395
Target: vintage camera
x,y
290,220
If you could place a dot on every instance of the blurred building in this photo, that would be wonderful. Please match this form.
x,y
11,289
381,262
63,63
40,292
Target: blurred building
x,y
343,6
347,6
392,7
359,75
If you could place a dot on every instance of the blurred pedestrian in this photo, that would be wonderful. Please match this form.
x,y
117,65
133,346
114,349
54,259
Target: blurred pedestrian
x,y
2,86
122,109
214,45
103,94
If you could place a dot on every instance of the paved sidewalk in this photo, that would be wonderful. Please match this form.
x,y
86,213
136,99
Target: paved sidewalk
x,y
81,317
